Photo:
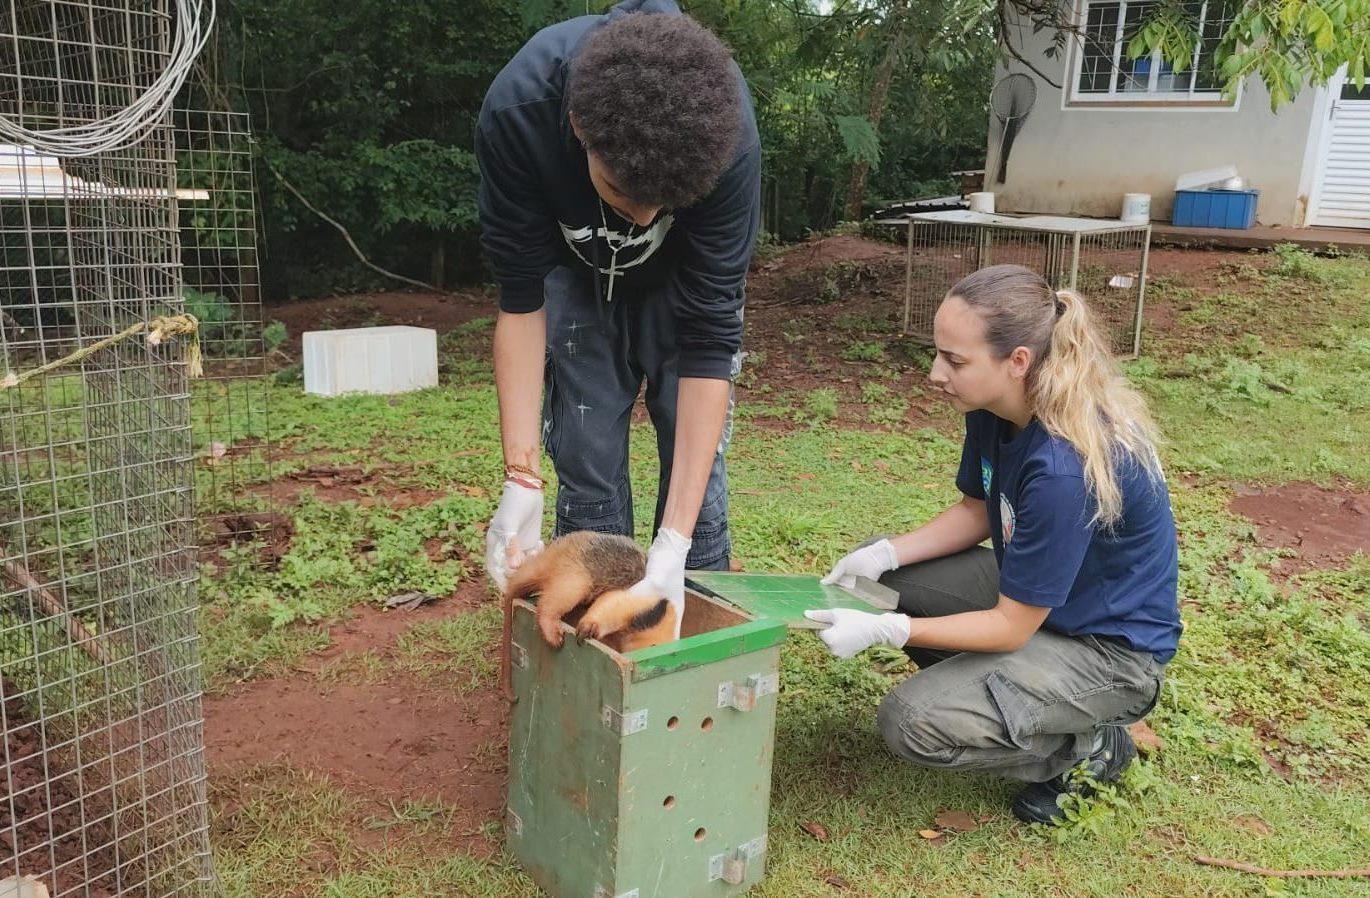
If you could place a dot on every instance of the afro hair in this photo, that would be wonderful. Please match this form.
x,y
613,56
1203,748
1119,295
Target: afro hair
x,y
656,99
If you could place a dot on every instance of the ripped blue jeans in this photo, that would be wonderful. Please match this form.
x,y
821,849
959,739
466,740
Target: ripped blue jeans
x,y
599,354
1027,715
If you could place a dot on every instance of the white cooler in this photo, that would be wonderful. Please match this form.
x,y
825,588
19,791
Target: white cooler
x,y
393,359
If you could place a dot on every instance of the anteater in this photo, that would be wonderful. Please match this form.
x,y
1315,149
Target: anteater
x,y
591,568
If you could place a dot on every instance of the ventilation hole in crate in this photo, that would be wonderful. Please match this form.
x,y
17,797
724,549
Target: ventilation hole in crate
x,y
669,802
700,834
707,724
673,723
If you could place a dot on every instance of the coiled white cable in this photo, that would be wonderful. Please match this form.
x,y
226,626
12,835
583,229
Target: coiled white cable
x,y
190,30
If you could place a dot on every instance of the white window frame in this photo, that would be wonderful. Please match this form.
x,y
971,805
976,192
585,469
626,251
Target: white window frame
x,y
1151,97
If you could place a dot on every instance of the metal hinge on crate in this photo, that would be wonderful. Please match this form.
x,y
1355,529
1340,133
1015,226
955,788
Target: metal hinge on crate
x,y
514,824
624,723
601,892
743,696
732,868
518,655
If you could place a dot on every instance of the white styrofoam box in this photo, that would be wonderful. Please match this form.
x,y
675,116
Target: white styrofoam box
x,y
393,359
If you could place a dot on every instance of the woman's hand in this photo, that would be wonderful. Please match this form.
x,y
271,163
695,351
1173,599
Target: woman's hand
x,y
868,561
851,631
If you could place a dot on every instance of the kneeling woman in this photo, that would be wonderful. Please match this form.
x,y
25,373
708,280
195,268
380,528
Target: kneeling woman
x,y
1034,655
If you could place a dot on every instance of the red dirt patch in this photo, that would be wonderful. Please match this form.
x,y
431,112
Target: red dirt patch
x,y
1204,269
439,311
1324,526
403,738
377,629
335,483
811,304
270,532
824,251
826,314
43,831
807,305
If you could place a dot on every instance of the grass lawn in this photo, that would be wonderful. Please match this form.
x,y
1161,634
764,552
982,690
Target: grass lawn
x,y
1261,378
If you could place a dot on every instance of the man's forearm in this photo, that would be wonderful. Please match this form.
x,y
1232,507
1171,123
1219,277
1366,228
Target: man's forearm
x,y
701,409
520,350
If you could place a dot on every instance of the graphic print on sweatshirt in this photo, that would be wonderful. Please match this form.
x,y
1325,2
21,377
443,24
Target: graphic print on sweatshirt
x,y
634,246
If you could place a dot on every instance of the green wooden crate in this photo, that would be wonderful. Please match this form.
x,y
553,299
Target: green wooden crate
x,y
648,775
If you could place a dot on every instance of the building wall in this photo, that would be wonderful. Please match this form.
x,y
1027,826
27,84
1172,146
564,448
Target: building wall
x,y
1073,160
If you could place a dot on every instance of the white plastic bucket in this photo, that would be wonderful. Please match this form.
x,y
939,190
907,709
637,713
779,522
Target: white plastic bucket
x,y
1136,208
981,201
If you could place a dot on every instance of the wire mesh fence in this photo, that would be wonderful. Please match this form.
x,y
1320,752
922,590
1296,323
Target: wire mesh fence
x,y
1105,261
238,523
103,787
218,229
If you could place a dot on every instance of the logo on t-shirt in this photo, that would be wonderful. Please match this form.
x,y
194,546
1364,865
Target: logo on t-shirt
x,y
1006,519
627,248
986,475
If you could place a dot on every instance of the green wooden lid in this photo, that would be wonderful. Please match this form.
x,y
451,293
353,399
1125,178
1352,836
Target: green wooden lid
x,y
774,601
785,597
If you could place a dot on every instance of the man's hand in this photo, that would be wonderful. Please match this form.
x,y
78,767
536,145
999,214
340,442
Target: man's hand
x,y
869,561
852,631
665,575
517,524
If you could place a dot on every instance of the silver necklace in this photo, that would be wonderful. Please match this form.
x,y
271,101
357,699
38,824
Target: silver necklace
x,y
613,248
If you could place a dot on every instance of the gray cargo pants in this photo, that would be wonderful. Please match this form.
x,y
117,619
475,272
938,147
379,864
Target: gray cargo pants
x,y
1027,715
598,356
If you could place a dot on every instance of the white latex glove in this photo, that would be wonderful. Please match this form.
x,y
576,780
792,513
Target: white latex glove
x,y
515,532
665,575
869,561
852,631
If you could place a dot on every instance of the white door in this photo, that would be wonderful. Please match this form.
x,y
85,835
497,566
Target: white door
x,y
1341,196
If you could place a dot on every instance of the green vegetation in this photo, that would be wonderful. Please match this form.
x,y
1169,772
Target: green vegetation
x,y
1265,380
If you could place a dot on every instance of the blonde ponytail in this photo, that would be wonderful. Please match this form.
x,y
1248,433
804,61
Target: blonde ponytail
x,y
1079,393
1075,387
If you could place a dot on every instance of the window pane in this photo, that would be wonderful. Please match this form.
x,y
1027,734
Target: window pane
x,y
1096,58
1349,91
1216,21
1134,75
1170,81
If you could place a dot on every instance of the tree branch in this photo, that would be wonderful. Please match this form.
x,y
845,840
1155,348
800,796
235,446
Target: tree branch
x,y
1014,51
56,608
348,237
1284,874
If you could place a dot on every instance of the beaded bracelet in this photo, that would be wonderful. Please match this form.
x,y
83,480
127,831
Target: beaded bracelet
x,y
522,475
523,470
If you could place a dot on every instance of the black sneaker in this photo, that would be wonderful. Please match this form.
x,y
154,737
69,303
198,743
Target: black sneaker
x,y
1040,802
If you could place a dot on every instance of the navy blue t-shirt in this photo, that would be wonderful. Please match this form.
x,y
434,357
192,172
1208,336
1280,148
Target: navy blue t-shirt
x,y
1120,582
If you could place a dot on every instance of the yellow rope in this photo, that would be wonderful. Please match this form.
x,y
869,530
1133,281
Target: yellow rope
x,y
158,329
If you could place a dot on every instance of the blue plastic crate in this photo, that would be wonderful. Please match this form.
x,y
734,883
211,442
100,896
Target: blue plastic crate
x,y
1214,208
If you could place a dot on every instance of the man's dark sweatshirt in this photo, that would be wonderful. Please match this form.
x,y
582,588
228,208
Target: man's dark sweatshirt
x,y
538,208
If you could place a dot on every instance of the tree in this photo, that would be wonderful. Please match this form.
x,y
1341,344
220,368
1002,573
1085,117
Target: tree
x,y
933,40
895,35
843,109
368,109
